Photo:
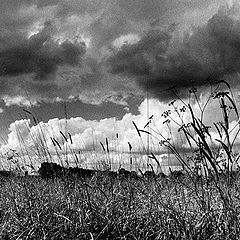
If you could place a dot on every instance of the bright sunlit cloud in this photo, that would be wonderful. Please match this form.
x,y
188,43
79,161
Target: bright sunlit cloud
x,y
75,39
18,100
87,133
126,39
35,29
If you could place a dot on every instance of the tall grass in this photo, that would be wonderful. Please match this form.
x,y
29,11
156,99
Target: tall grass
x,y
203,203
212,155
106,208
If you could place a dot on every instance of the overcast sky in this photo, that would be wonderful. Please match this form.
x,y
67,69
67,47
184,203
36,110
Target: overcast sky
x,y
95,60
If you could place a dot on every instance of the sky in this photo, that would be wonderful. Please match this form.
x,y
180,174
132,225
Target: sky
x,y
94,62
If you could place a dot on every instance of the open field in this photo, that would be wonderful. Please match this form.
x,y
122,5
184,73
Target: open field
x,y
66,202
103,207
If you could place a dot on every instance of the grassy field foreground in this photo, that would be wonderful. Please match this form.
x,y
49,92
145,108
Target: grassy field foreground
x,y
203,203
107,208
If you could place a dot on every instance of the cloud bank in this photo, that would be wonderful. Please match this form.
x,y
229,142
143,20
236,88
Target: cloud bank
x,y
86,135
65,49
208,53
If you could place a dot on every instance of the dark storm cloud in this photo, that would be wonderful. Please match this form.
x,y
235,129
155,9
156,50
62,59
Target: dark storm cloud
x,y
166,12
15,4
39,55
136,59
69,7
72,69
44,3
104,31
211,51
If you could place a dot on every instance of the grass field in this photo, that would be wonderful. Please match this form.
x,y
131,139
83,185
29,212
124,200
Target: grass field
x,y
116,208
204,203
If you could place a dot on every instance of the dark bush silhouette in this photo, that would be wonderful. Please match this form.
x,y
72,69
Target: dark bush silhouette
x,y
53,170
50,170
80,172
149,175
133,174
177,175
161,175
123,173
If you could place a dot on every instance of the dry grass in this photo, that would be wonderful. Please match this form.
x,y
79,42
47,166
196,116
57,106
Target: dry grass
x,y
193,207
104,208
